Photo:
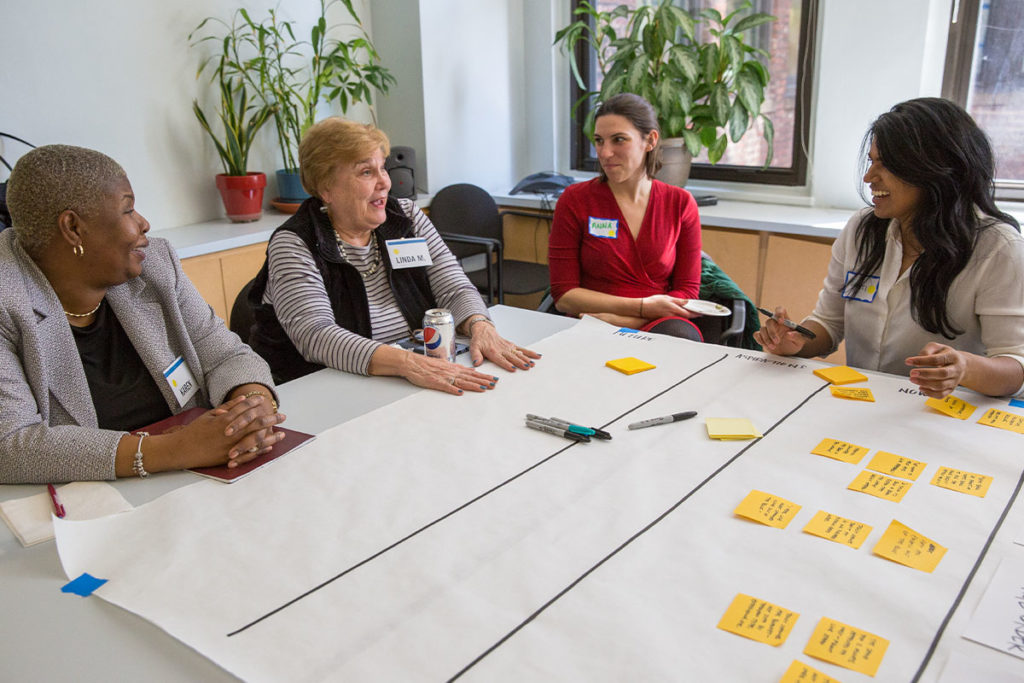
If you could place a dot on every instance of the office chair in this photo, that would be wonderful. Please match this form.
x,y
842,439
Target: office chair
x,y
242,318
469,222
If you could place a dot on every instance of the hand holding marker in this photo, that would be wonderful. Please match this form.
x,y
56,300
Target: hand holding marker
x,y
788,323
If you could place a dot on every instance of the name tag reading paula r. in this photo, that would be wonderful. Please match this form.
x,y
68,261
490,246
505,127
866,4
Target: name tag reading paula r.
x,y
182,383
409,253
605,228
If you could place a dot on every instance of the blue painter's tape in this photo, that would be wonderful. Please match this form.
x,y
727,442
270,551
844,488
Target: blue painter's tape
x,y
1017,402
84,585
628,330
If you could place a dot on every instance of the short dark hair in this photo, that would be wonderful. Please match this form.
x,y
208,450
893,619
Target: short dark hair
x,y
934,145
50,179
641,114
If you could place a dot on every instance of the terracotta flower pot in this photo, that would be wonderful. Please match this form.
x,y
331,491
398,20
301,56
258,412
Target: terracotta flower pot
x,y
242,195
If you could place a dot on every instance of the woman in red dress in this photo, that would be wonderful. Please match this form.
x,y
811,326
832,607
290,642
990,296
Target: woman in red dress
x,y
625,247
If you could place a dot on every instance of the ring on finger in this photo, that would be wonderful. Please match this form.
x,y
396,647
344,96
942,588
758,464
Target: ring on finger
x,y
451,380
253,449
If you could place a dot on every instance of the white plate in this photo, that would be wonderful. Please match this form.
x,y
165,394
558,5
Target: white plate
x,y
706,307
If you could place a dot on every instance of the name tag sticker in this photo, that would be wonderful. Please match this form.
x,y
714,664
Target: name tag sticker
x,y
181,381
868,290
409,253
606,228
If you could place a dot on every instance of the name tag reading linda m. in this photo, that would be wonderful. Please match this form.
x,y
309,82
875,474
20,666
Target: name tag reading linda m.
x,y
409,253
607,228
868,289
182,383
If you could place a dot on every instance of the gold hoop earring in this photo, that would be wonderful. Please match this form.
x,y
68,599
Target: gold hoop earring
x,y
78,251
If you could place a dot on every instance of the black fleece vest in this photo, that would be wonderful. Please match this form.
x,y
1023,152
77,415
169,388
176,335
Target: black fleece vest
x,y
344,287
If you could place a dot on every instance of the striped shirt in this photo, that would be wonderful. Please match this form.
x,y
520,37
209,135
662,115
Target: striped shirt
x,y
296,290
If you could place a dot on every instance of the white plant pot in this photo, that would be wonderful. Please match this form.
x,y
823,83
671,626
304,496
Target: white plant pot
x,y
675,162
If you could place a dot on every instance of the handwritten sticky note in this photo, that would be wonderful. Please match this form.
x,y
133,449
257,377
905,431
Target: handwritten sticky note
x,y
731,428
767,509
758,620
964,482
880,486
1000,419
853,393
840,374
896,465
846,646
630,365
840,450
798,672
838,529
952,406
902,544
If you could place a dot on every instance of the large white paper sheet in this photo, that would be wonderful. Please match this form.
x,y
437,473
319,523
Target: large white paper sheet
x,y
998,621
439,537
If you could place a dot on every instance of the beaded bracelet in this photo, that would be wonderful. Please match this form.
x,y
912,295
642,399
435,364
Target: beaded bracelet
x,y
137,466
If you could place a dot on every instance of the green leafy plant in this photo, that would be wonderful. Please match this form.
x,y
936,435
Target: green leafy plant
x,y
294,76
703,91
240,114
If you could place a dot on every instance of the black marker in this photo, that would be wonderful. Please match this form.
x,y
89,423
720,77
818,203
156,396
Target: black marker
x,y
557,431
788,323
668,419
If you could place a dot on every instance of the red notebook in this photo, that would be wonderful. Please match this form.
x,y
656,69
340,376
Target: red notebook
x,y
292,439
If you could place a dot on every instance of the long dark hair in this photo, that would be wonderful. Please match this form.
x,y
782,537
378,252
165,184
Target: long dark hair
x,y
934,145
640,113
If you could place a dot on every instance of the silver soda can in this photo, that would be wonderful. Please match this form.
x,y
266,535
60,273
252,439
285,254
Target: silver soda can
x,y
439,334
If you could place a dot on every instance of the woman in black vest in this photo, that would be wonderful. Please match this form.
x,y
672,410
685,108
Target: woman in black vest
x,y
337,287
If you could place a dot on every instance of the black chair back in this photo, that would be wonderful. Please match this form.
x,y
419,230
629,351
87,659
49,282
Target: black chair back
x,y
466,209
242,318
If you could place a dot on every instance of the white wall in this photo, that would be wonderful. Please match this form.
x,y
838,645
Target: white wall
x,y
119,76
481,94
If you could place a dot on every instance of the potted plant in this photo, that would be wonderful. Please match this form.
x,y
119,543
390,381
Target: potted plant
x,y
295,76
241,116
704,92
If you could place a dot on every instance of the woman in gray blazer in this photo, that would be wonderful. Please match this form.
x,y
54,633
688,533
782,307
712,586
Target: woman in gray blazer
x,y
101,333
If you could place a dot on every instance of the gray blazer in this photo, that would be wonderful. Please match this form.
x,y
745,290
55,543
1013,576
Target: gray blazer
x,y
48,427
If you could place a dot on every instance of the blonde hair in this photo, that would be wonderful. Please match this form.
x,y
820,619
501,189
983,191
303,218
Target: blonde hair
x,y
332,142
52,179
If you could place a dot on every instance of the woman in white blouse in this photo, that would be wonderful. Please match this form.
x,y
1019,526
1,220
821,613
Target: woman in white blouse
x,y
332,293
927,283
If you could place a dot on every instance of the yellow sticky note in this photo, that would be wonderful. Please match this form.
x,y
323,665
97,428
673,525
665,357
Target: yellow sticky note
x,y
853,393
629,366
767,509
798,672
880,486
1000,419
964,482
758,620
840,450
846,646
952,406
731,428
840,374
896,465
839,529
902,544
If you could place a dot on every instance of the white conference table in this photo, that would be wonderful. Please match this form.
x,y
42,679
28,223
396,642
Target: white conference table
x,y
47,635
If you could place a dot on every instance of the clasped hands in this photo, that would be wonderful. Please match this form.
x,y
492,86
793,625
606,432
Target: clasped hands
x,y
233,433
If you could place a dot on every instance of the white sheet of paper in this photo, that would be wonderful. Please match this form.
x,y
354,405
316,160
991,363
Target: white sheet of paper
x,y
998,621
509,554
